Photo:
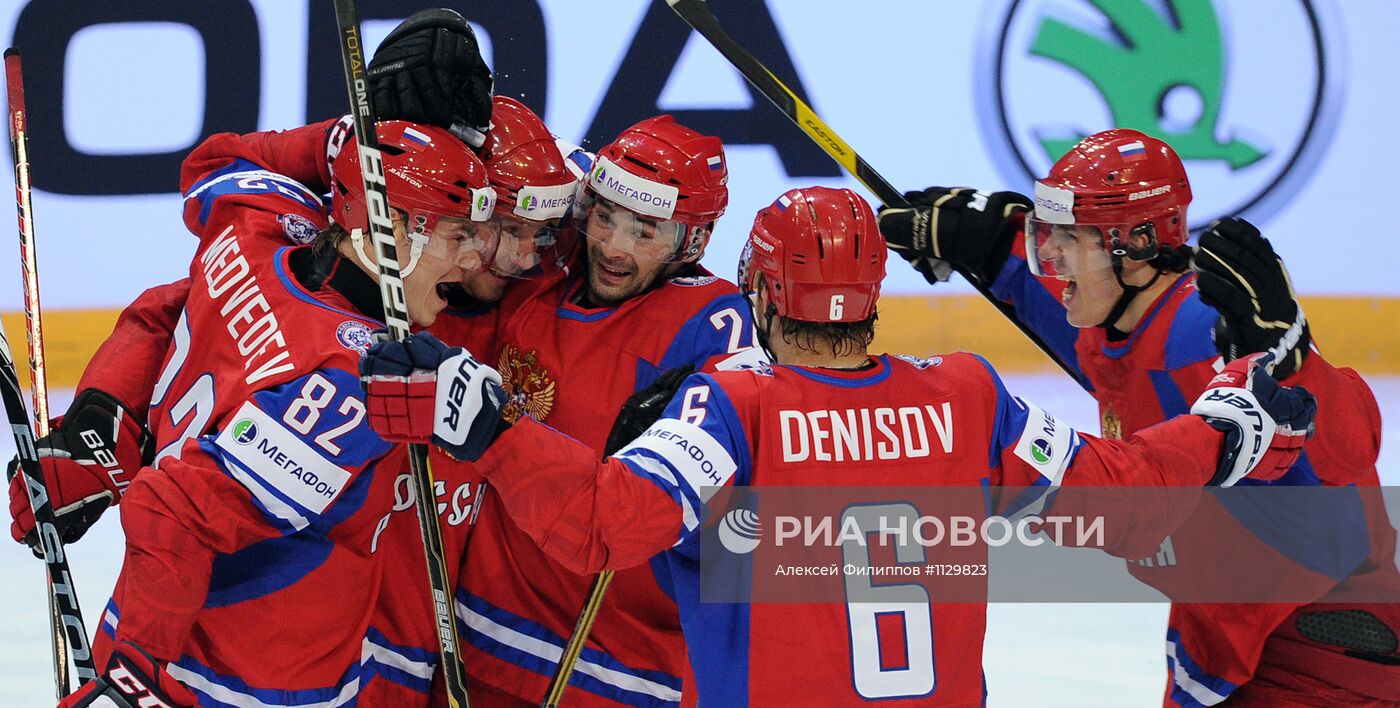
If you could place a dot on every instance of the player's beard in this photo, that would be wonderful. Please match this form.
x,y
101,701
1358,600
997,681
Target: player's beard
x,y
611,282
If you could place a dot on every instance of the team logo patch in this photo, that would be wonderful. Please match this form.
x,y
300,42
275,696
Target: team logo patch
x,y
354,336
529,387
740,531
692,281
244,431
299,229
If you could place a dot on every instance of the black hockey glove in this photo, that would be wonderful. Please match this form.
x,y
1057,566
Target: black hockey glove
x,y
969,229
87,459
429,70
644,407
1238,274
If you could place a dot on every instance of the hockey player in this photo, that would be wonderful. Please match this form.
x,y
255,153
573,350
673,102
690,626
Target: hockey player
x,y
574,348
1108,234
812,272
250,572
522,157
427,70
535,187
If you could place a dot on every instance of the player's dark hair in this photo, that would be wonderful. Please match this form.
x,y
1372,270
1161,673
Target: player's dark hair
x,y
840,338
329,239
1172,260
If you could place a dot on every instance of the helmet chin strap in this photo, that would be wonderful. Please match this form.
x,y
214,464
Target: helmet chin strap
x,y
1130,292
416,240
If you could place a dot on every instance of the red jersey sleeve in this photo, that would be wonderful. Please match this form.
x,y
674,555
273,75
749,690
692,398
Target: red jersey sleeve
x,y
618,512
128,362
299,153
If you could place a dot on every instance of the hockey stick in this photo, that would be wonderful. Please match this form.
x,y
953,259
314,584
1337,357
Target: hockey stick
x,y
381,228
572,648
19,141
697,14
65,615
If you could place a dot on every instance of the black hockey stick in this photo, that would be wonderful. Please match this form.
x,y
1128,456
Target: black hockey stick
x,y
69,633
697,14
381,228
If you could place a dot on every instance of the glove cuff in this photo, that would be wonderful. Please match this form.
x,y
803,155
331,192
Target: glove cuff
x,y
1247,426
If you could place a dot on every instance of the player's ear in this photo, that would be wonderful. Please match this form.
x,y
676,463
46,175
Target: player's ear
x,y
400,226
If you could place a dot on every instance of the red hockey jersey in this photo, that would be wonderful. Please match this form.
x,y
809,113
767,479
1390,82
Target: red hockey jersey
x,y
257,550
573,367
1163,365
649,500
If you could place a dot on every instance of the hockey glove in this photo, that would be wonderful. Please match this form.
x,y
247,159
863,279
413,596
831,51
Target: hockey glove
x,y
88,458
1238,274
969,229
420,390
133,679
429,70
644,407
1265,424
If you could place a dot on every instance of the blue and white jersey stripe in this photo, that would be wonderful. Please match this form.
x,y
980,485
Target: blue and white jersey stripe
x,y
1191,685
697,446
411,667
524,643
244,177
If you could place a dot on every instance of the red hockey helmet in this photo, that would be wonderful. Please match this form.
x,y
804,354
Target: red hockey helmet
x,y
1128,185
426,169
535,189
821,255
524,163
433,178
670,178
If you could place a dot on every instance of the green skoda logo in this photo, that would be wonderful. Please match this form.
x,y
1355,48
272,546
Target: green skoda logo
x,y
1244,91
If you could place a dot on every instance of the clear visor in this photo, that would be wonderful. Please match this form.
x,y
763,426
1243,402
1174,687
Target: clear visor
x,y
618,228
1067,250
473,245
525,245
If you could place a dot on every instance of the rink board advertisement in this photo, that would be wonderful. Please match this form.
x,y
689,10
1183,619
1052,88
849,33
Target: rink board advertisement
x,y
1281,115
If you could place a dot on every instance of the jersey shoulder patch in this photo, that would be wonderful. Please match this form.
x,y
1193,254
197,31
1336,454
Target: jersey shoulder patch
x,y
920,363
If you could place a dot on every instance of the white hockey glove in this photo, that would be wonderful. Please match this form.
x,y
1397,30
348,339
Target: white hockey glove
x,y
1265,424
420,390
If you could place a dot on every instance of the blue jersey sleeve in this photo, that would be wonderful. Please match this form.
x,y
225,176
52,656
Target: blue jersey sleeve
x,y
697,446
243,178
298,449
718,338
1029,446
1038,309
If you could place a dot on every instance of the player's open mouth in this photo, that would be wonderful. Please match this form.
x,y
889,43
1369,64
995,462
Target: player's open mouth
x,y
612,275
1068,294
